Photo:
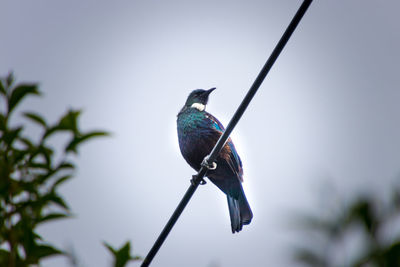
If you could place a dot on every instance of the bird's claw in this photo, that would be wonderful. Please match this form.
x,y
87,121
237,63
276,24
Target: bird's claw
x,y
209,166
194,177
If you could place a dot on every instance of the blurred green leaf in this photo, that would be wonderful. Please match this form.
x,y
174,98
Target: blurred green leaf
x,y
55,198
70,121
362,211
395,201
65,165
47,153
38,165
36,118
4,178
10,136
2,89
28,143
392,255
309,257
17,187
53,216
61,180
123,255
110,248
18,156
39,252
10,79
4,257
367,219
29,176
44,251
77,140
19,93
50,131
3,124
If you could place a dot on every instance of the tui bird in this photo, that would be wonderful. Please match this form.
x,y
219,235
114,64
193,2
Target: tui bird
x,y
198,132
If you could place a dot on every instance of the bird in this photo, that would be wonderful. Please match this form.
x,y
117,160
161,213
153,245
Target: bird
x,y
198,132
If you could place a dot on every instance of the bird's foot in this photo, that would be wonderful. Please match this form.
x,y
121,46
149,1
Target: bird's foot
x,y
209,166
194,177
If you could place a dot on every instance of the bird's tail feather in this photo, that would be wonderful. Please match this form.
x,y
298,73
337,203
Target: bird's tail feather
x,y
234,213
245,212
239,209
239,212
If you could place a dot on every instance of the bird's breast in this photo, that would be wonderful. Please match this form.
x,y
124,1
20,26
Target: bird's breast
x,y
196,138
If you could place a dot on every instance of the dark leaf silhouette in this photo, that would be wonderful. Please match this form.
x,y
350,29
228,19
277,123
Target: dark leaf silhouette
x,y
53,216
123,255
310,258
9,79
69,121
36,118
29,179
2,123
2,89
77,140
361,217
19,93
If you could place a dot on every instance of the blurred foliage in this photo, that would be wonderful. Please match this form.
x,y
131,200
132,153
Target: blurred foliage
x,y
123,255
364,232
30,177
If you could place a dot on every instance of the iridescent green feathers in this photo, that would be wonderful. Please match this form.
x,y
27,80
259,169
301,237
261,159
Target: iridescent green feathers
x,y
198,132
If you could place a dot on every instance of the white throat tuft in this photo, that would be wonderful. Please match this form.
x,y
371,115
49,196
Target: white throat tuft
x,y
198,106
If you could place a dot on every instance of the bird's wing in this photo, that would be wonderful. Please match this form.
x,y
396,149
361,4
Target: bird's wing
x,y
216,123
229,151
235,160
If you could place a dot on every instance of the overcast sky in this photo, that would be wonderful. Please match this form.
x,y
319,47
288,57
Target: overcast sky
x,y
327,113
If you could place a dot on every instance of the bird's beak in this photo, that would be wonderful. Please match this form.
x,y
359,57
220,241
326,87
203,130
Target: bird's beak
x,y
210,90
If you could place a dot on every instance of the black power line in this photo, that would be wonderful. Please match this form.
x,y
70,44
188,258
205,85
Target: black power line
x,y
235,119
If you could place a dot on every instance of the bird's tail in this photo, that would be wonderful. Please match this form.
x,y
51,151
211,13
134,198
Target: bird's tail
x,y
239,211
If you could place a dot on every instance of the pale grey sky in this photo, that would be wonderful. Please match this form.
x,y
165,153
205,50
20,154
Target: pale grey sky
x,y
328,112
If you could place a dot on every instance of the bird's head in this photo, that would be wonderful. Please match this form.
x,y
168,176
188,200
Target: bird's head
x,y
198,99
